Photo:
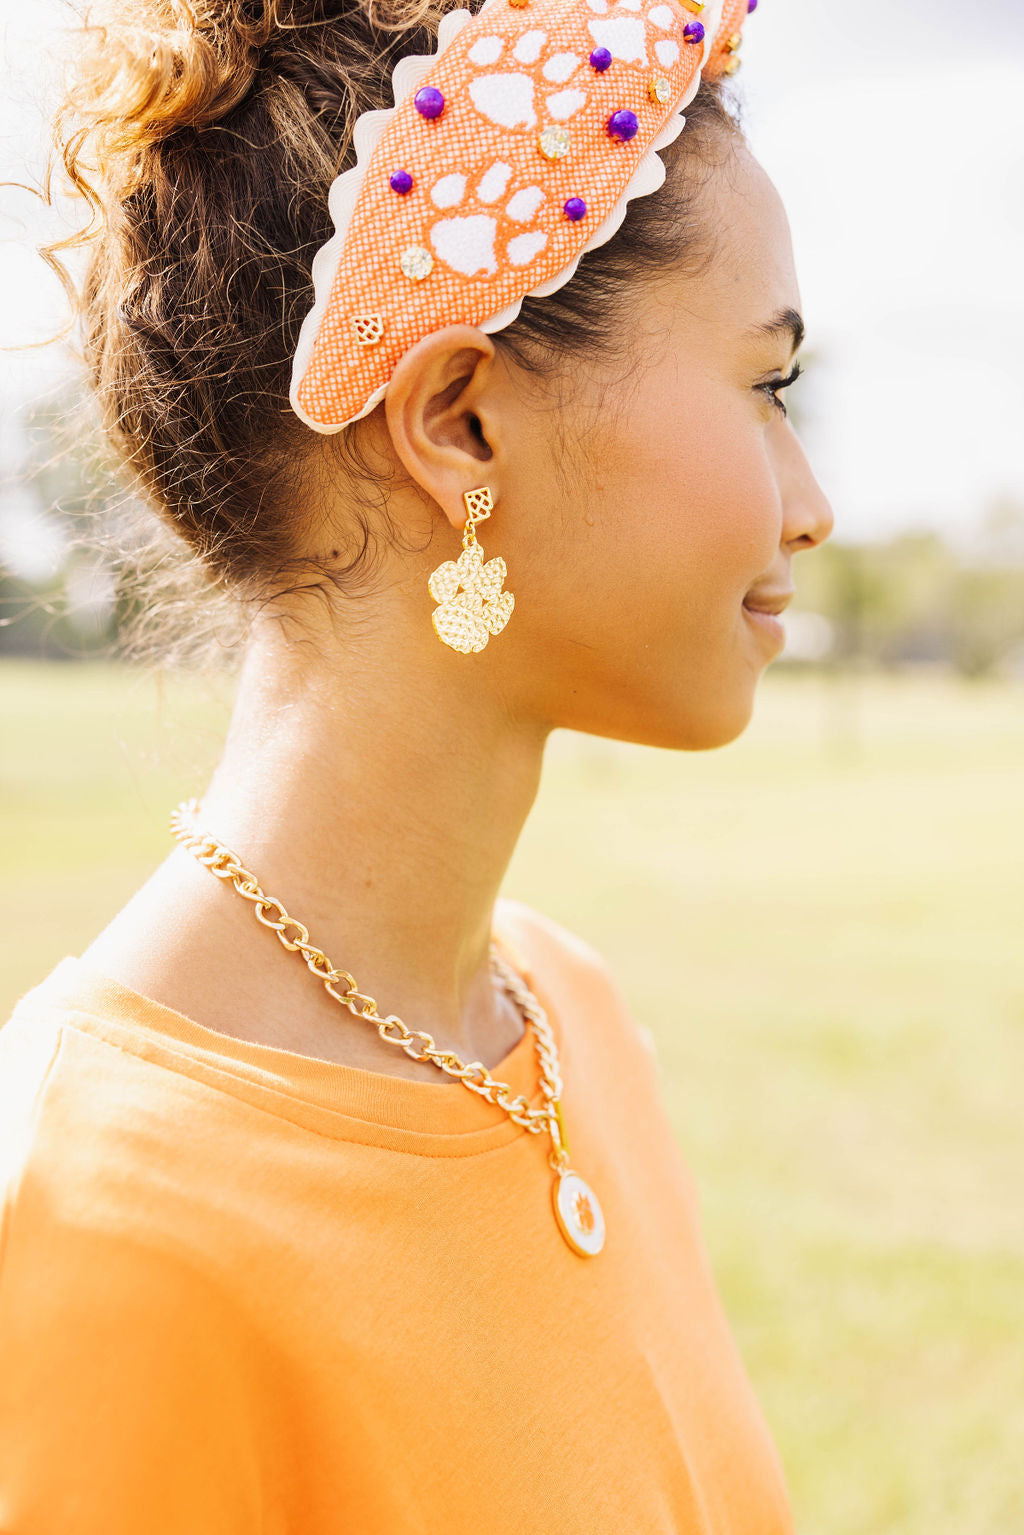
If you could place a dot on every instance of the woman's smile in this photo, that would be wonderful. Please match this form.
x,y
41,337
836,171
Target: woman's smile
x,y
767,625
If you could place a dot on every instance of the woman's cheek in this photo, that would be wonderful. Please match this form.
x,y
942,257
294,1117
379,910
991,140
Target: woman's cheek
x,y
735,500
713,501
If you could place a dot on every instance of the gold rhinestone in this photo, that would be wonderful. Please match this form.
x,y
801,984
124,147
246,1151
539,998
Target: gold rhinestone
x,y
659,89
733,42
518,3
731,66
696,6
553,141
416,261
369,328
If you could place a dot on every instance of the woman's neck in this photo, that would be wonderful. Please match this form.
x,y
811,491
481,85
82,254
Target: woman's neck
x,y
381,804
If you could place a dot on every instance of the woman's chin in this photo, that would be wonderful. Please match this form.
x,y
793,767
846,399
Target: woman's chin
x,y
706,732
676,723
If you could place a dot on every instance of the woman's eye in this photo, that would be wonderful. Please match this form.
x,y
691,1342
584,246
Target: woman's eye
x,y
774,385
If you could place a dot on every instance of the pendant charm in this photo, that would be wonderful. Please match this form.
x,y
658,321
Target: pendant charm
x,y
579,1215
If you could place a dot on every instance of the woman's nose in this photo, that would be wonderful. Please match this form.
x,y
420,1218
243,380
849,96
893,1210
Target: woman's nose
x,y
807,512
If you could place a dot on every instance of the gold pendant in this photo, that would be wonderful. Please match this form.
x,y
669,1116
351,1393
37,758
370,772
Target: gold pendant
x,y
579,1215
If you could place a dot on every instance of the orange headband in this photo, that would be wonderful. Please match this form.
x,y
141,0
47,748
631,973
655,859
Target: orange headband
x,y
509,152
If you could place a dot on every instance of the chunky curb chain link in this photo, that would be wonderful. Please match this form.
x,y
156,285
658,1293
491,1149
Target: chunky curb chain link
x,y
225,864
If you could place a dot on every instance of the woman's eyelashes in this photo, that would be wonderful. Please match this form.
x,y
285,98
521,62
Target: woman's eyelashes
x,y
774,385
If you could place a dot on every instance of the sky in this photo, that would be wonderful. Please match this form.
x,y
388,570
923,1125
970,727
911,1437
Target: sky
x,y
895,135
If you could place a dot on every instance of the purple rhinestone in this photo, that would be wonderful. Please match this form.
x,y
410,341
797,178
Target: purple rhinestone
x,y
575,208
694,32
623,124
401,181
751,5
428,101
601,58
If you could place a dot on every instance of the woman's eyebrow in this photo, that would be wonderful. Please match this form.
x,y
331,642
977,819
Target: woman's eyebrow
x,y
786,320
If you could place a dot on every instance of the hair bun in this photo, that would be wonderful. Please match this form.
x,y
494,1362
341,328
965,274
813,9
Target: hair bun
x,y
149,69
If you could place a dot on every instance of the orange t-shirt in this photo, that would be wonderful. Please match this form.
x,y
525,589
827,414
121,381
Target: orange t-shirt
x,y
245,1290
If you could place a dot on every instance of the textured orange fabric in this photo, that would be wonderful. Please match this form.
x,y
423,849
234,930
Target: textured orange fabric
x,y
486,204
243,1290
734,14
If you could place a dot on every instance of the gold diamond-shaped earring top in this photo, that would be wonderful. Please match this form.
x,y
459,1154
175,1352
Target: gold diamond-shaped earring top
x,y
479,504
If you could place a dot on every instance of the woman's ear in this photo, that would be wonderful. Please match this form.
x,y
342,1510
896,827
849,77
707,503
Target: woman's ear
x,y
442,416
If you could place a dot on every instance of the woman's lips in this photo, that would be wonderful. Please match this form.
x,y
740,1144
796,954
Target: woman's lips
x,y
764,600
767,623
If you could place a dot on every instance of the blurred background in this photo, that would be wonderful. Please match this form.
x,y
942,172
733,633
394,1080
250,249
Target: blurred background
x,y
823,923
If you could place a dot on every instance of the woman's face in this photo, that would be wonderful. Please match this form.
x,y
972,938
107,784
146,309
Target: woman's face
x,y
636,519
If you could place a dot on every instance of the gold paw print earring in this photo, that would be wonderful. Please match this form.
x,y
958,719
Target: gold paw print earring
x,y
471,604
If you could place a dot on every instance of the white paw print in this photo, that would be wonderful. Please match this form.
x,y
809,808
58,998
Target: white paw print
x,y
466,241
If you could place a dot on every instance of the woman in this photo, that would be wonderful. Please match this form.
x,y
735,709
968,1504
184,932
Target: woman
x,y
267,1266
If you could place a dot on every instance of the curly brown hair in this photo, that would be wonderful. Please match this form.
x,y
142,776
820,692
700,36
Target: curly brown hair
x,y
204,136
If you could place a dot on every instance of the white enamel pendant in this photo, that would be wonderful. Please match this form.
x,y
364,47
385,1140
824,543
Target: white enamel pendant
x,y
579,1215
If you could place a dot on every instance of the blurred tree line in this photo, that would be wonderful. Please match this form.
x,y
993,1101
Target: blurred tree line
x,y
911,600
914,599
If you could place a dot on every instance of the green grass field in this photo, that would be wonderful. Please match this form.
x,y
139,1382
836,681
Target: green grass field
x,y
823,924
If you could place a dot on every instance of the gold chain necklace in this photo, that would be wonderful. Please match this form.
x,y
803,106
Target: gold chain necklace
x,y
577,1211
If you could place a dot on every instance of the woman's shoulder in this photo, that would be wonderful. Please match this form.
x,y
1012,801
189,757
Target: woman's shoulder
x,y
66,1137
541,939
570,969
123,1358
28,1057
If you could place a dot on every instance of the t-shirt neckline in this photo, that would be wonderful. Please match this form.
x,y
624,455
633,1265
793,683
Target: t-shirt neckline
x,y
432,1117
